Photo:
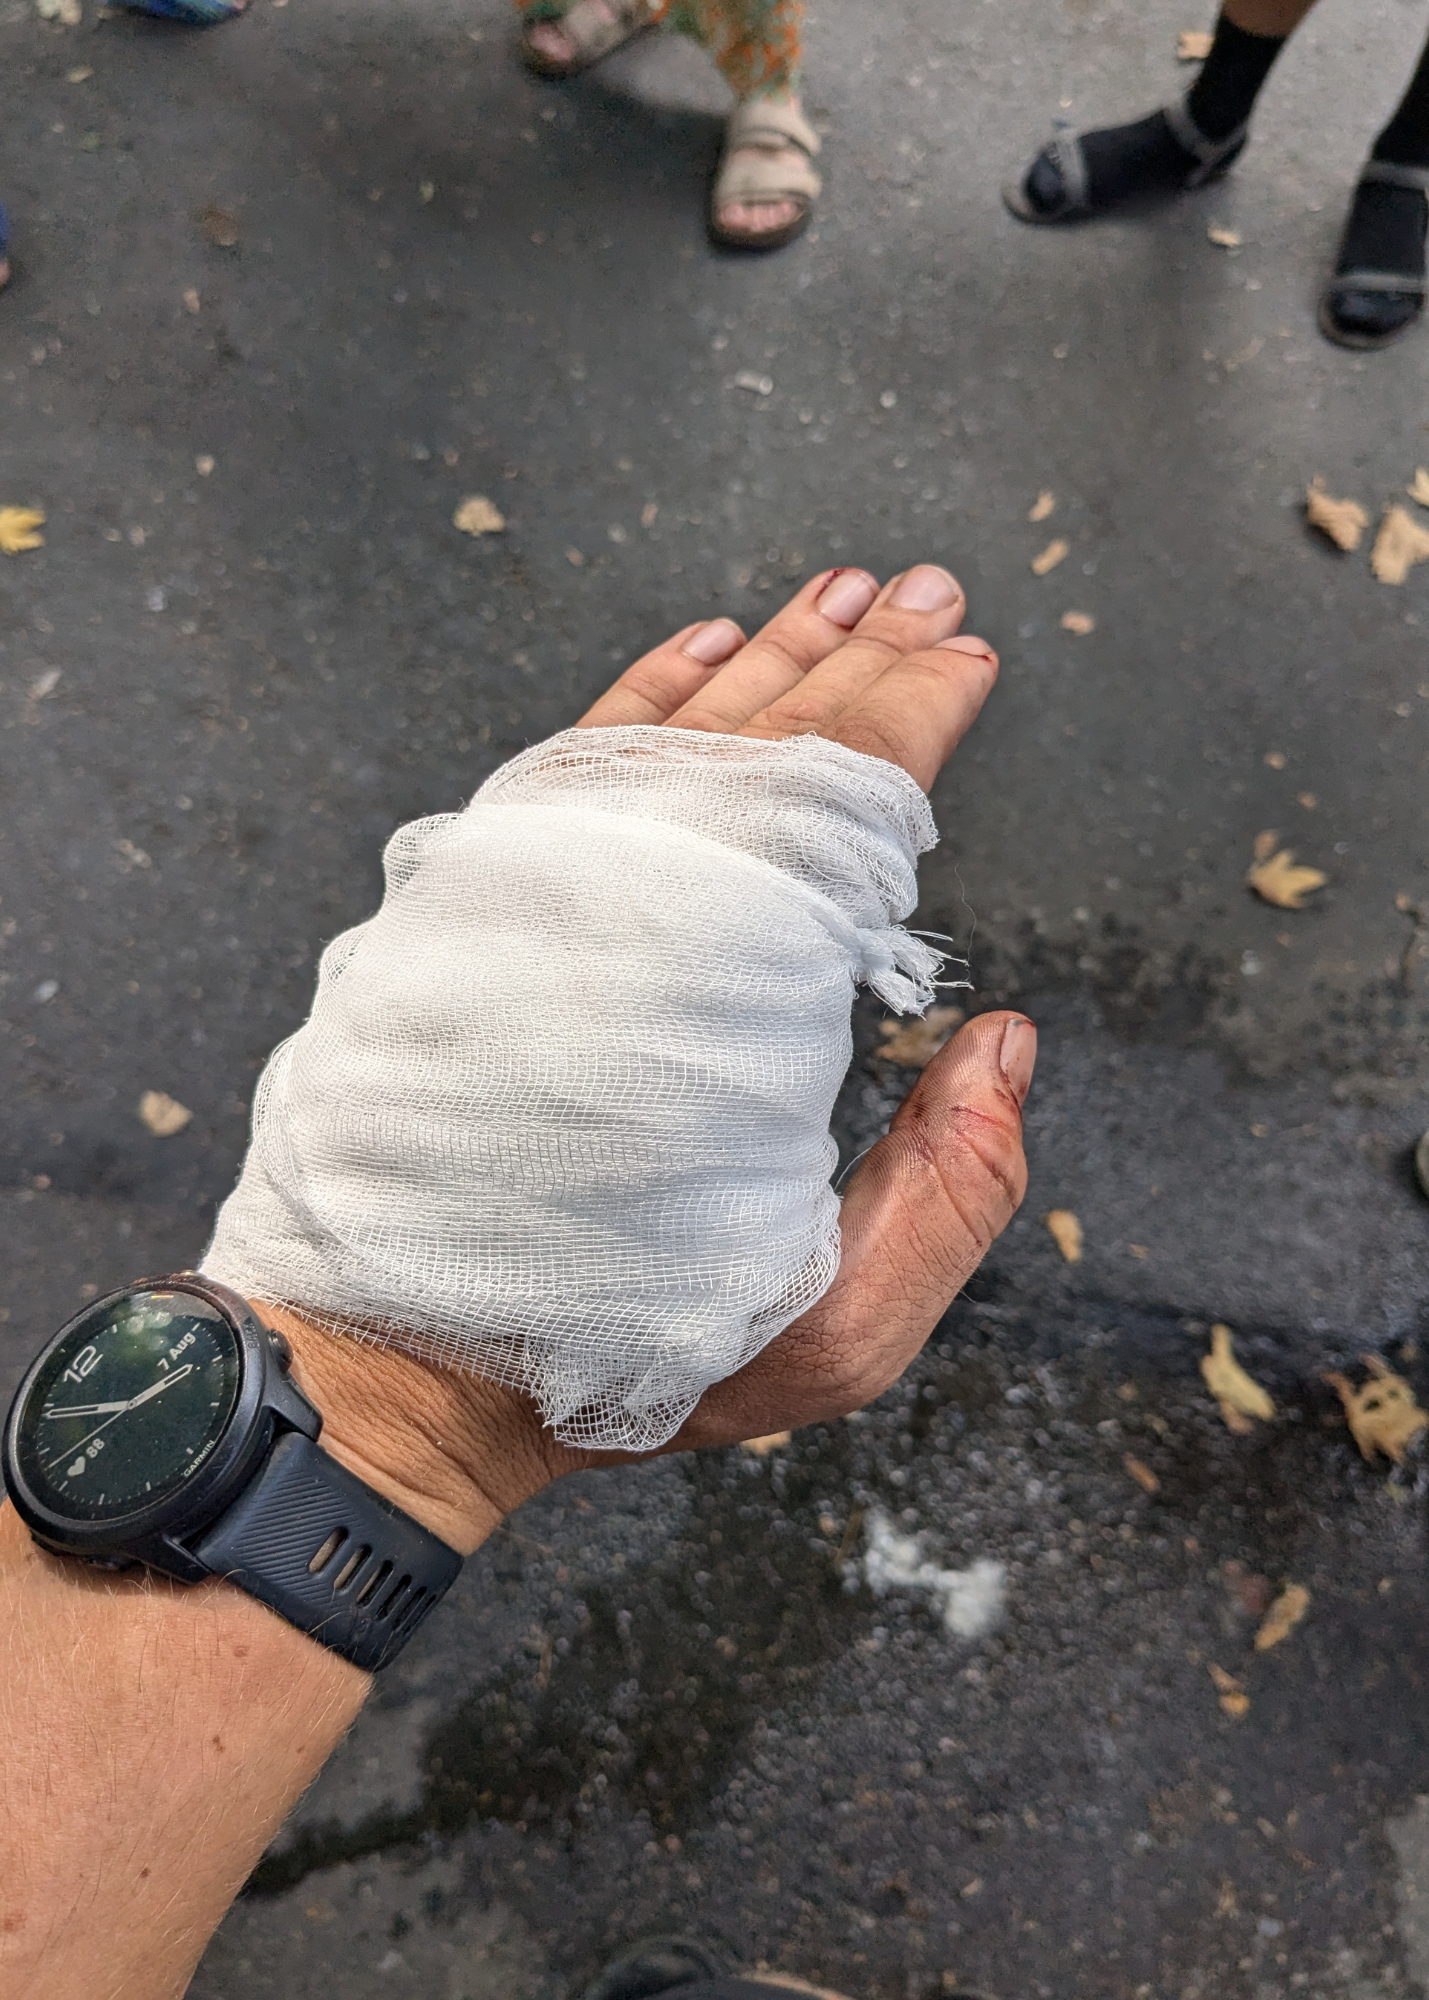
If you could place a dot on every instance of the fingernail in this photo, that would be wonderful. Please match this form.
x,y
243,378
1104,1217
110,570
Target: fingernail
x,y
976,648
845,600
714,643
1019,1055
926,588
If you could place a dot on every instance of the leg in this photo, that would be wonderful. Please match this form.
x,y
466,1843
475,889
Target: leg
x,y
1377,291
1179,147
766,187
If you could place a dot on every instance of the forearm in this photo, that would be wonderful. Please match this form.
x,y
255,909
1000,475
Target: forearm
x,y
154,1735
152,1738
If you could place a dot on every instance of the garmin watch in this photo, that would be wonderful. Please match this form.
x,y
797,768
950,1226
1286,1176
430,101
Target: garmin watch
x,y
162,1426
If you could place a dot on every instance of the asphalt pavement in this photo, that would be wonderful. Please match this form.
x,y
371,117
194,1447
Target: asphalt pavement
x,y
287,293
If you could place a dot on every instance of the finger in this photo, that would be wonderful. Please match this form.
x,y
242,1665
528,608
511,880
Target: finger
x,y
914,611
777,658
918,711
665,679
917,1221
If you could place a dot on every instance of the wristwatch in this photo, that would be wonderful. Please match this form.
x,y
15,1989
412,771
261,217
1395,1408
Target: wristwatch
x,y
162,1426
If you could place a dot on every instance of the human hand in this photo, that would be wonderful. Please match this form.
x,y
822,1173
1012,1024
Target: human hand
x,y
882,672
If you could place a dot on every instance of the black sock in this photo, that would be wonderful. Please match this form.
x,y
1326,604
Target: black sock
x,y
1405,139
1147,158
1224,93
1385,227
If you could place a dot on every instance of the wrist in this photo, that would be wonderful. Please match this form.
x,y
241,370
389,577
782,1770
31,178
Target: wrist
x,y
455,1452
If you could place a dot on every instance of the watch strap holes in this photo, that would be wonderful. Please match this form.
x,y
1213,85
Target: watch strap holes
x,y
394,1597
374,1582
350,1568
413,1610
328,1550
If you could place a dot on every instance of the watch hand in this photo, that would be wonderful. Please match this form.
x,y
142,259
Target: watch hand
x,y
133,1402
162,1383
87,1410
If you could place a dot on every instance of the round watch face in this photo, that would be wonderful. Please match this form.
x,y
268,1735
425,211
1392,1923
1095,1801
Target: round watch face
x,y
128,1405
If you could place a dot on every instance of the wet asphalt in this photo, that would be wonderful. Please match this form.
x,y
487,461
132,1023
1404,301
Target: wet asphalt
x,y
669,1698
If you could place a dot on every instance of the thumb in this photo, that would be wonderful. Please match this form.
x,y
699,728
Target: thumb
x,y
918,1218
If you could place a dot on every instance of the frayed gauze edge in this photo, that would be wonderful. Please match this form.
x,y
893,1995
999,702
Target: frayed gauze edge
x,y
559,1115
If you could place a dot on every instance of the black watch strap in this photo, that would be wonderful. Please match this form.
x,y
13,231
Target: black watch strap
x,y
307,1537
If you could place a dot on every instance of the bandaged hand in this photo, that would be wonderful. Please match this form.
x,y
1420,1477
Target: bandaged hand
x,y
504,1239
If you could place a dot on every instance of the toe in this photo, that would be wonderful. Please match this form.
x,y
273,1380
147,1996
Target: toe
x,y
743,218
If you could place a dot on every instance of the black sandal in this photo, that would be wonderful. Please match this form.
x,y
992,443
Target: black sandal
x,y
1361,307
1212,157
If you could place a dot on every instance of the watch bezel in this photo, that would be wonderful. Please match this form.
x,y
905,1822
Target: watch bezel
x,y
157,1532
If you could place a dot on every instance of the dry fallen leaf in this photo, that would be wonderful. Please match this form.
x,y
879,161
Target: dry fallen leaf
x,y
80,75
1264,845
477,516
192,301
1066,1233
1283,1616
1277,880
204,464
1239,1395
1054,553
1229,239
219,226
1042,506
1080,622
162,1114
17,529
1142,1474
1344,521
1383,1415
1419,489
1400,543
1233,1698
68,13
1193,45
575,558
915,1043
761,1447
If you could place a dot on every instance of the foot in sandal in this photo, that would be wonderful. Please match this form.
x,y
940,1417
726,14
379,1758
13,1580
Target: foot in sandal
x,y
766,186
566,44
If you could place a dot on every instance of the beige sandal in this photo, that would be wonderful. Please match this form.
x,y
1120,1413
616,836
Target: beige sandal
x,y
756,167
595,28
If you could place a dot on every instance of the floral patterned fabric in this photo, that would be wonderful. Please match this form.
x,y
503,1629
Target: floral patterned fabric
x,y
757,44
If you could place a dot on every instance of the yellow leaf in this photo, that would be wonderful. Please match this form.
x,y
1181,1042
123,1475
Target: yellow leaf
x,y
477,516
1233,1698
1142,1474
915,1043
1066,1233
163,1115
1344,521
1239,1395
1054,553
1228,239
1193,45
1080,622
1419,490
1264,845
761,1447
80,75
219,226
17,529
1383,1415
1277,880
1283,1616
1042,506
1400,543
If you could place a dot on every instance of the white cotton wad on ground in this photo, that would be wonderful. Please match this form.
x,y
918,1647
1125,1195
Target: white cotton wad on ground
x,y
970,1600
559,1115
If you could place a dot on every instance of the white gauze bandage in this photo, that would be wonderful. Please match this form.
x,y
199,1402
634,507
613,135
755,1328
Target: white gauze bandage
x,y
560,1113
